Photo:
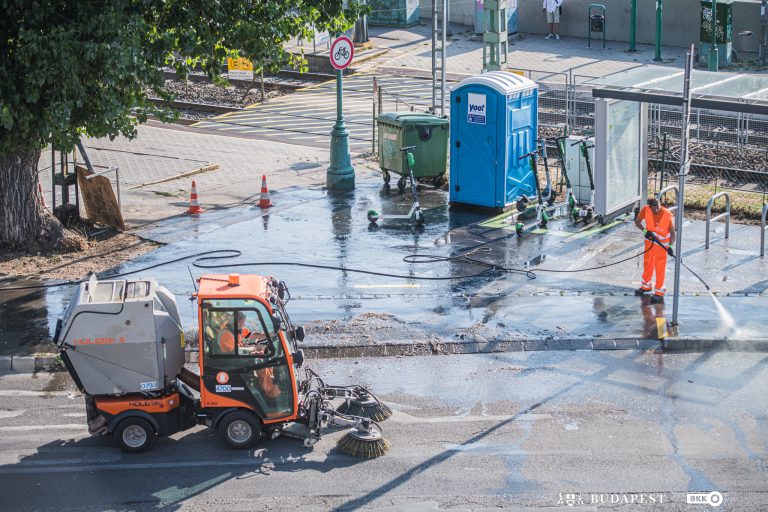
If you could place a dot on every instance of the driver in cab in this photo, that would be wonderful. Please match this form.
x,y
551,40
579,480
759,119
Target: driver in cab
x,y
226,338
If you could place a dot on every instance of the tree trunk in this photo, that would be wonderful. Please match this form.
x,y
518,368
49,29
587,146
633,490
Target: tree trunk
x,y
24,223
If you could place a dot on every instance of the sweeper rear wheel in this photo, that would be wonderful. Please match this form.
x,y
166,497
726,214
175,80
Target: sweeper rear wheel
x,y
134,435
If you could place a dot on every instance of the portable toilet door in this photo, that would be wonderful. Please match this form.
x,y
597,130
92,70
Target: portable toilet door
x,y
493,123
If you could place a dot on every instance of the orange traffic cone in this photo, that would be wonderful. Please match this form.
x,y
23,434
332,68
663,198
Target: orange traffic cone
x,y
194,206
264,201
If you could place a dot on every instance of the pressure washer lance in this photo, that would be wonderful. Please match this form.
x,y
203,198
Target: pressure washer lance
x,y
415,215
652,237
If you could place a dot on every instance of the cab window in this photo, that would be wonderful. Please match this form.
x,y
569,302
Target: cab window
x,y
239,328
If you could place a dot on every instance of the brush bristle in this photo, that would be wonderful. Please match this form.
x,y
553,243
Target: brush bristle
x,y
376,411
366,449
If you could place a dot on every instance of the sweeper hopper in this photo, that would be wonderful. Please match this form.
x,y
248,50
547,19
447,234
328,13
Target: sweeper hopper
x,y
141,353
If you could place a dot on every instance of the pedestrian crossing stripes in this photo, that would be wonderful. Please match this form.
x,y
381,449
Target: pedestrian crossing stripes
x,y
307,116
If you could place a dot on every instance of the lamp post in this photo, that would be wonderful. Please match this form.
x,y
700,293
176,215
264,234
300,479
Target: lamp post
x,y
340,174
713,53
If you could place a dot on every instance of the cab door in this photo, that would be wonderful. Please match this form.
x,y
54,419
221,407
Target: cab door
x,y
244,362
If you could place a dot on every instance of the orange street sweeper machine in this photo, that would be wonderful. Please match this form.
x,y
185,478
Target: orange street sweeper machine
x,y
123,344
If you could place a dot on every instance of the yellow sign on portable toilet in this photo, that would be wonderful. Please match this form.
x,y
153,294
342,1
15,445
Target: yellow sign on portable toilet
x,y
239,69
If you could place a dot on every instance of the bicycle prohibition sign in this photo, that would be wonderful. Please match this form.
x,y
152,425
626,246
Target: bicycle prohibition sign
x,y
342,52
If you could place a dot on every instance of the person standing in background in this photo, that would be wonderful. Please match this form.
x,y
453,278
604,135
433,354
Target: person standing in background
x,y
553,8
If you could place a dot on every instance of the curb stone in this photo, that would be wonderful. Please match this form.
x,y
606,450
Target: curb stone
x,y
45,362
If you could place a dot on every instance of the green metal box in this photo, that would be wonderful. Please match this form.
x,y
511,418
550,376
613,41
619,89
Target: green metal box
x,y
427,132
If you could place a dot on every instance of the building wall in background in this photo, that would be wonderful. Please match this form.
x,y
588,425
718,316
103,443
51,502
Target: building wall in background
x,y
680,20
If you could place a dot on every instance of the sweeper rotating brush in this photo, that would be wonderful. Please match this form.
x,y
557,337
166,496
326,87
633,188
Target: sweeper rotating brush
x,y
364,443
365,404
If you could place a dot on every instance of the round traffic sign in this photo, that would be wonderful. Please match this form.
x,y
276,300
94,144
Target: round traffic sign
x,y
342,52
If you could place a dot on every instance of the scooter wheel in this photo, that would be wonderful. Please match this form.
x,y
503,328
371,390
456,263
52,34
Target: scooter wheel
x,y
401,184
588,218
552,197
575,214
519,227
418,217
373,216
386,177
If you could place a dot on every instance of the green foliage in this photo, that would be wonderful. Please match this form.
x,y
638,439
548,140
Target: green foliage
x,y
80,67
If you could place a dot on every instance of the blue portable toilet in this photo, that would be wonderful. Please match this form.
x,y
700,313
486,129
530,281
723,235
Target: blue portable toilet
x,y
493,122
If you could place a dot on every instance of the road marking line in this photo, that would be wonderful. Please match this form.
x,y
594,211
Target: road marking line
x,y
25,428
369,286
24,392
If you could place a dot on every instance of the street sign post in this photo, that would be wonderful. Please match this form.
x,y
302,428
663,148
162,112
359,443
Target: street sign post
x,y
340,174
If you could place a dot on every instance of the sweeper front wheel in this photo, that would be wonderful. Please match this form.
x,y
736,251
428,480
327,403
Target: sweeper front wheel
x,y
134,435
240,430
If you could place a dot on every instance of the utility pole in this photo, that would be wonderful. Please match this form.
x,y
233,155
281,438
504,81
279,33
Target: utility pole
x,y
657,58
713,54
632,25
495,35
439,28
681,180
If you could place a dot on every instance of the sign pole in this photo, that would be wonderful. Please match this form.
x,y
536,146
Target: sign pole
x,y
340,174
712,64
681,180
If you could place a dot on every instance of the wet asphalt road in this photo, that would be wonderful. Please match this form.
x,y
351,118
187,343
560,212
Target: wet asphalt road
x,y
571,309
471,432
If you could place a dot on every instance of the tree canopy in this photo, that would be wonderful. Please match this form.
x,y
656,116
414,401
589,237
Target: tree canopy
x,y
83,67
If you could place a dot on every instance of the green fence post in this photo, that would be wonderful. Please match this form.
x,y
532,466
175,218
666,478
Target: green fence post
x,y
713,53
657,58
632,25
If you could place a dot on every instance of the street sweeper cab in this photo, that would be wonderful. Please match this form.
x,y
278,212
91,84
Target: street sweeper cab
x,y
123,344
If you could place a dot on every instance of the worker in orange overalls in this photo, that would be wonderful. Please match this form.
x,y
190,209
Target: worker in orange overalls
x,y
658,224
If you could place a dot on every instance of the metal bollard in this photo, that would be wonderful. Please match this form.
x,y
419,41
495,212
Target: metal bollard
x,y
726,214
664,191
762,230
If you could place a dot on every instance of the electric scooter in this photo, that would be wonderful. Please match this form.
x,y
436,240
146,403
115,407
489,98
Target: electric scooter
x,y
415,215
570,199
586,212
542,218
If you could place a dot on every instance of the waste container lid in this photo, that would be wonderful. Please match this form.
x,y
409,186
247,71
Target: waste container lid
x,y
412,119
502,81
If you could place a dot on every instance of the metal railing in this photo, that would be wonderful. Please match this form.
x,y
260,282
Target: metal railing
x,y
762,230
663,191
726,214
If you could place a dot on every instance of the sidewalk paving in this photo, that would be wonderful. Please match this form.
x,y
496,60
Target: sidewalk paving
x,y
552,312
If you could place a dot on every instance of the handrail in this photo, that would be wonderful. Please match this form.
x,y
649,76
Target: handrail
x,y
762,230
726,214
664,191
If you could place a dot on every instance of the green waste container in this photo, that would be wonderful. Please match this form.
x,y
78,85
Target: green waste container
x,y
427,132
724,39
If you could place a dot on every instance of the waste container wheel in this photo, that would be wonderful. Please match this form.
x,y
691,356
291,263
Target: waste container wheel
x,y
401,183
438,180
386,176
